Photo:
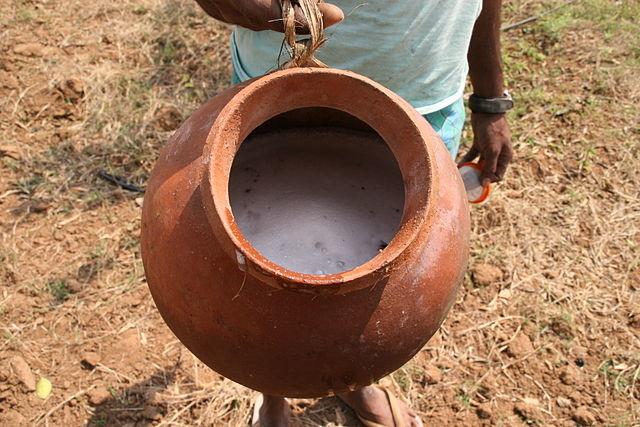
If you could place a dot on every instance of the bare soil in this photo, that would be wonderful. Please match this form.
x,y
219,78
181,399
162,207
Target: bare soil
x,y
546,329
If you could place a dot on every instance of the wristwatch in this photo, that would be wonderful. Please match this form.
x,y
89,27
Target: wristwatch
x,y
498,105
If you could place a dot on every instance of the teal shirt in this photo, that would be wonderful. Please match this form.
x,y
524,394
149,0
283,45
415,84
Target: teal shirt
x,y
418,49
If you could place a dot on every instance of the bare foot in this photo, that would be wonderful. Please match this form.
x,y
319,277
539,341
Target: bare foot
x,y
274,412
372,404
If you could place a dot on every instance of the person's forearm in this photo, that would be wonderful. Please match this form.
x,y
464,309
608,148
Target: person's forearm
x,y
252,14
261,15
485,62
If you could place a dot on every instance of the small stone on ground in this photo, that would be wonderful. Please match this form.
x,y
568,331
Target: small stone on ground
x,y
584,417
98,395
486,274
90,359
432,375
23,373
520,346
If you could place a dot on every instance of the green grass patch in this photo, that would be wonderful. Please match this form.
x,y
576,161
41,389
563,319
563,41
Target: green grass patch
x,y
59,290
25,15
617,20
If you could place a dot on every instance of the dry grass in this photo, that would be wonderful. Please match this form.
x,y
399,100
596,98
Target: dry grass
x,y
564,229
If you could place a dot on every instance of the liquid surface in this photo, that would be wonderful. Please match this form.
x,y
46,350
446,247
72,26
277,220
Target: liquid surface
x,y
317,201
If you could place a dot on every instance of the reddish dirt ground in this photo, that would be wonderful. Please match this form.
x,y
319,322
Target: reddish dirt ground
x,y
546,330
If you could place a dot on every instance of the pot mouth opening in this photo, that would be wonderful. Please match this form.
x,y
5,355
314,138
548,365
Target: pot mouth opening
x,y
316,191
270,159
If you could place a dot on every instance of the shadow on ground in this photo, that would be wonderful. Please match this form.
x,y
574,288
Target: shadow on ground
x,y
326,411
137,405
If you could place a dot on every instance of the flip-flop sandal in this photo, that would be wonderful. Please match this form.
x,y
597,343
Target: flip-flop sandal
x,y
257,404
396,413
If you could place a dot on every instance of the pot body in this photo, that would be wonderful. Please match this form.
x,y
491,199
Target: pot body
x,y
274,330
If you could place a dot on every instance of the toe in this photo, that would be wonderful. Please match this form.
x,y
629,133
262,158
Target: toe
x,y
411,417
416,422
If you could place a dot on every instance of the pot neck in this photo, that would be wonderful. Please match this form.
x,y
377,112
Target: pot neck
x,y
387,114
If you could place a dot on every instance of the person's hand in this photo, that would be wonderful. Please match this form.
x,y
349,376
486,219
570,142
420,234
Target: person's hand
x,y
259,15
492,143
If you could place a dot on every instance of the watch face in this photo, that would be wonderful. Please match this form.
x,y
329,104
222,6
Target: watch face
x,y
507,104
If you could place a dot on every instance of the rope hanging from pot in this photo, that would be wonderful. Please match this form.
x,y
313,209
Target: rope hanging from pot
x,y
302,51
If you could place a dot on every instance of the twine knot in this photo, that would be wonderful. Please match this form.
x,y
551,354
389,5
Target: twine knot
x,y
302,50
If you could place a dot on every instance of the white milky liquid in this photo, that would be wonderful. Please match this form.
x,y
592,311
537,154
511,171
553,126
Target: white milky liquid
x,y
317,201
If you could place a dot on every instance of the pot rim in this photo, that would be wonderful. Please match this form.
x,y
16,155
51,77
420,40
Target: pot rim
x,y
266,97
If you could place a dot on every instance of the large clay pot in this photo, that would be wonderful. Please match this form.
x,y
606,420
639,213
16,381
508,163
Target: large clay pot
x,y
278,331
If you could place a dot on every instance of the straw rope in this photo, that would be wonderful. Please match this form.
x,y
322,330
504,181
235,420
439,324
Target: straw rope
x,y
302,50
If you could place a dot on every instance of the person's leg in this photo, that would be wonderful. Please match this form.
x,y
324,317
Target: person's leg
x,y
448,123
274,412
372,404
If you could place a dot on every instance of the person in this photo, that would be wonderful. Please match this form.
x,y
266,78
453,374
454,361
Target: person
x,y
423,51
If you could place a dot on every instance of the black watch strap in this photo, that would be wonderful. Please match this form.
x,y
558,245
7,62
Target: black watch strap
x,y
498,105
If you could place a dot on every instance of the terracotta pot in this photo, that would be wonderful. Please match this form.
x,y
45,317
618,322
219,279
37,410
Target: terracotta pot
x,y
278,331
